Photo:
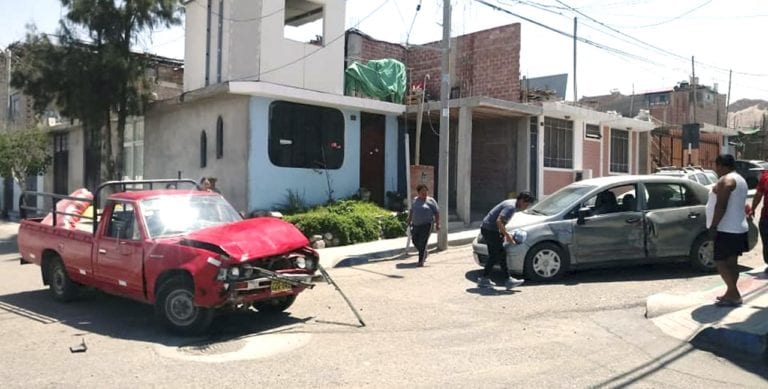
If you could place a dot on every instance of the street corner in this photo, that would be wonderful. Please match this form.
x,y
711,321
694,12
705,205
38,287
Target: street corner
x,y
664,303
740,331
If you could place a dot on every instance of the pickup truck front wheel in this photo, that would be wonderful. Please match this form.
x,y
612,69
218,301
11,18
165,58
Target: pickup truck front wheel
x,y
275,305
176,307
62,288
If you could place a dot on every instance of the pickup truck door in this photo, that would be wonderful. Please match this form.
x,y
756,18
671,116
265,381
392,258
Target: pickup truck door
x,y
120,251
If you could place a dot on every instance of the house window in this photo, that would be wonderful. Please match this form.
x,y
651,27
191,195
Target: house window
x,y
203,150
592,131
219,138
133,147
619,151
304,21
305,136
662,99
558,143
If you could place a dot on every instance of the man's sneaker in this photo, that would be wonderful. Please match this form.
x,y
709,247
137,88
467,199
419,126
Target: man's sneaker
x,y
483,282
512,282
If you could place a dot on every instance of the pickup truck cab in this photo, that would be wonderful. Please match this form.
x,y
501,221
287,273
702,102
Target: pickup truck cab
x,y
188,252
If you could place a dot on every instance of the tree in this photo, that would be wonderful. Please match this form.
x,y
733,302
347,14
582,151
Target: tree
x,y
91,75
23,154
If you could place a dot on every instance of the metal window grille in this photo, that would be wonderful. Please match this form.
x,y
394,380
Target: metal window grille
x,y
558,143
619,151
593,131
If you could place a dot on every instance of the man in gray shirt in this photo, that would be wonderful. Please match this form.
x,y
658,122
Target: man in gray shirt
x,y
424,212
495,233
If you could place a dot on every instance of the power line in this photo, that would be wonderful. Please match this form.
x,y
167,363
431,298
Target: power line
x,y
669,53
580,39
676,17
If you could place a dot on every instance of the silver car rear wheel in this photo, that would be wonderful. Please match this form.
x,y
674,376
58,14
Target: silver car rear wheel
x,y
545,262
702,254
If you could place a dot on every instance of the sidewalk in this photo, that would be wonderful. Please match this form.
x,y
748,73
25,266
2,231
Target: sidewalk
x,y
361,253
741,331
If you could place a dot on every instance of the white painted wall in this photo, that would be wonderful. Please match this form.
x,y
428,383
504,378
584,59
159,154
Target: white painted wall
x,y
268,184
194,44
288,62
254,48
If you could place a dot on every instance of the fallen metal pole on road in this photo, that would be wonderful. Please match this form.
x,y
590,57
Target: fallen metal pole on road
x,y
330,281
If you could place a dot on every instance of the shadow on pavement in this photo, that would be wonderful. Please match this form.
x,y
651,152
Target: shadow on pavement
x,y
359,268
408,265
492,291
116,317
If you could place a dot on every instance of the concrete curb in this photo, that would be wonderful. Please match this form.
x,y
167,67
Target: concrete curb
x,y
721,340
392,254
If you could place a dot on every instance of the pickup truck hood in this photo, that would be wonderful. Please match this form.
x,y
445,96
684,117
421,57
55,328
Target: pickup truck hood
x,y
252,238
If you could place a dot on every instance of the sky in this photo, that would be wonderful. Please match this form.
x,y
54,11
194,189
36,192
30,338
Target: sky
x,y
631,45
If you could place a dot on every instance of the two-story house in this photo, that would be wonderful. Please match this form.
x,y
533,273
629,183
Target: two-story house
x,y
264,110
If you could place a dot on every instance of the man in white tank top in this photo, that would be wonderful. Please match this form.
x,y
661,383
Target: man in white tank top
x,y
727,223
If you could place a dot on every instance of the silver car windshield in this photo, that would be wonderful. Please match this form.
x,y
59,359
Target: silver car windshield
x,y
177,215
560,200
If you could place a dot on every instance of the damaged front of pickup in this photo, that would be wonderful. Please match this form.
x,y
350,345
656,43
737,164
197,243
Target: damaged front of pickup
x,y
263,263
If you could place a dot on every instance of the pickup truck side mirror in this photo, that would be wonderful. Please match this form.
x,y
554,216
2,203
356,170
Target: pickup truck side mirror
x,y
582,214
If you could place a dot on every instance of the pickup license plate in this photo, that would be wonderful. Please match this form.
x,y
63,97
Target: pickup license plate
x,y
280,286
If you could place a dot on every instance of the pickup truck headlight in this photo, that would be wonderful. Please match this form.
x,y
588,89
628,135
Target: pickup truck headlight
x,y
234,272
300,262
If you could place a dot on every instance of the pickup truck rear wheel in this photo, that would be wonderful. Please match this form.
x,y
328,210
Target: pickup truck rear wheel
x,y
176,307
275,305
62,288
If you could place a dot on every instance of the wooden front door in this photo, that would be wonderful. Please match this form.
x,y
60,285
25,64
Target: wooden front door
x,y
372,130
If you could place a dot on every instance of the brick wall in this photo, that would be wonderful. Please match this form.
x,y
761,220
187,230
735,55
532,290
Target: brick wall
x,y
591,158
556,179
484,63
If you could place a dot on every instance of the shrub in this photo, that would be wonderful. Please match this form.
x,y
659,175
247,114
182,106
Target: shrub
x,y
350,221
393,226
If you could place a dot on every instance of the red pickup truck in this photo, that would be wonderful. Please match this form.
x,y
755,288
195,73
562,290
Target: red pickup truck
x,y
188,252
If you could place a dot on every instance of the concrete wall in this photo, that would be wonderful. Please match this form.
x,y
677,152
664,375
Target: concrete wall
x,y
268,184
241,51
195,19
172,143
303,65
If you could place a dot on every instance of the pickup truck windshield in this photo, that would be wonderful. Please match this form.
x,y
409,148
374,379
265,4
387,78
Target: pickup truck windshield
x,y
178,215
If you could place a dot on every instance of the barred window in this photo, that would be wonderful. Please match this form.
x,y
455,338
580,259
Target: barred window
x,y
558,143
619,151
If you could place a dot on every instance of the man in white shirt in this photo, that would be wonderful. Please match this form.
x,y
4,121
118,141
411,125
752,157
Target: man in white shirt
x,y
727,223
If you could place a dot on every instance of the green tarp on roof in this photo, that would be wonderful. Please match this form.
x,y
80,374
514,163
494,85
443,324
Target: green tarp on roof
x,y
383,79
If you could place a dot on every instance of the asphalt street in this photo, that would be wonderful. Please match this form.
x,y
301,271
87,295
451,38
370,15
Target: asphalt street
x,y
426,327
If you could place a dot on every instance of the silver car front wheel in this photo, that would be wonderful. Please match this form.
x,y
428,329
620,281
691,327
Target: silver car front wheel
x,y
545,262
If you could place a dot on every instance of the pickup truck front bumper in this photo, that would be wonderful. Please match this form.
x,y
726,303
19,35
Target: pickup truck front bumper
x,y
263,288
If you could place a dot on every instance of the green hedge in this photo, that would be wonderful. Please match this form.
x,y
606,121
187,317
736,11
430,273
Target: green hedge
x,y
351,221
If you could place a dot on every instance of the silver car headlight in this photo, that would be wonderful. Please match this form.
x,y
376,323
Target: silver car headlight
x,y
300,262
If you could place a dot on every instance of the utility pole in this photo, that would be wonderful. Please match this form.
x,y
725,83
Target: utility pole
x,y
575,95
728,98
443,153
693,87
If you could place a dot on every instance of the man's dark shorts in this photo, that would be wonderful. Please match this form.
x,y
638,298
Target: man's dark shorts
x,y
729,245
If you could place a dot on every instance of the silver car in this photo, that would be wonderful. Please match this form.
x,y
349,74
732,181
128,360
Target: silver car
x,y
610,220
